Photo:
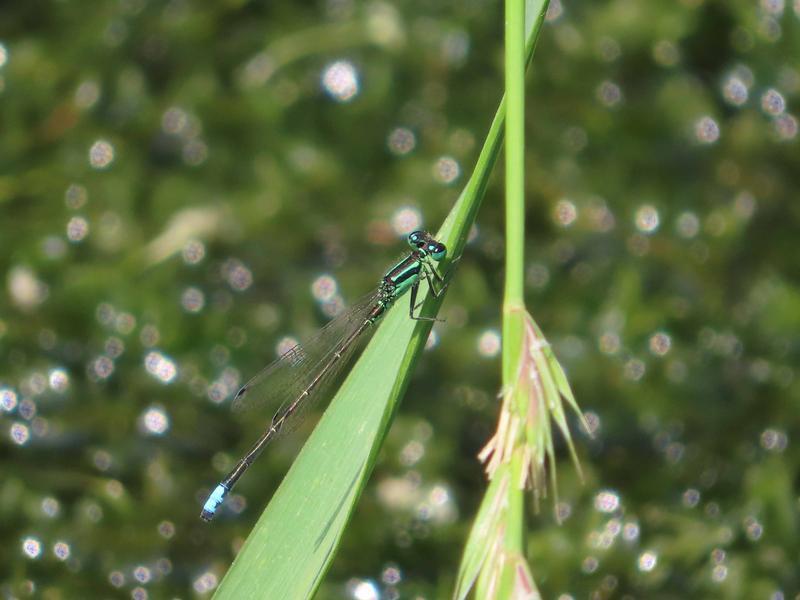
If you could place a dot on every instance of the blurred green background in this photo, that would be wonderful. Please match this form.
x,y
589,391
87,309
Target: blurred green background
x,y
185,184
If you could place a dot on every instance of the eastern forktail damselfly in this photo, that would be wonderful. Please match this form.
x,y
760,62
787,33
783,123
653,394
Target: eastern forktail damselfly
x,y
300,376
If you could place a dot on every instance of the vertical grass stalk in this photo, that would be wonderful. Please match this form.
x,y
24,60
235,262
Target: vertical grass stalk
x,y
534,386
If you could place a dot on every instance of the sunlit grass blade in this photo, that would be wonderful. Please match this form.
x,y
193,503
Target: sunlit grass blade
x,y
293,543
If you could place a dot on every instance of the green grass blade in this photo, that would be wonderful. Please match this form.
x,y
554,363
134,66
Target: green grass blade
x,y
294,541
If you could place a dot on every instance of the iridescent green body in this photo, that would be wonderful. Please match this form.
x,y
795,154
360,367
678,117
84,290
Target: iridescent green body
x,y
402,277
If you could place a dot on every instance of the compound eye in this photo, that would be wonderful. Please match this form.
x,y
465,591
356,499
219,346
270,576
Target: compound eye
x,y
437,251
415,237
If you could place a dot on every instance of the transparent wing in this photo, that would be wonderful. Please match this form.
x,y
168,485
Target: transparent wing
x,y
281,382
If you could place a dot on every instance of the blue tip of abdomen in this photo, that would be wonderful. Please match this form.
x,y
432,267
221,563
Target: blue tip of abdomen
x,y
213,502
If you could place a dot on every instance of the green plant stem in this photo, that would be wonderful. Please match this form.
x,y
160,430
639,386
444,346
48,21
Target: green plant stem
x,y
515,150
478,549
513,300
513,296
515,517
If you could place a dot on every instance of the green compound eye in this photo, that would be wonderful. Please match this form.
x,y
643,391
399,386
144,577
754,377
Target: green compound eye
x,y
437,251
415,238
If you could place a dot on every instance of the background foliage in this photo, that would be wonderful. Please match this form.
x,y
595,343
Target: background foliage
x,y
175,176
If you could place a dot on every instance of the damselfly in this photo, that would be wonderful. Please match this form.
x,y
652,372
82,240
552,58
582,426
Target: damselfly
x,y
300,376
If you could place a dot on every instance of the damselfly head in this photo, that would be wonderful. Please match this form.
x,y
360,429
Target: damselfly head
x,y
426,245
